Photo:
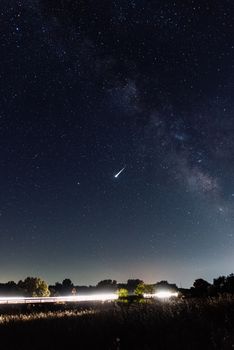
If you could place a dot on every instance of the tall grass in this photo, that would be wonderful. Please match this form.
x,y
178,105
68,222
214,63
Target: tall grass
x,y
181,324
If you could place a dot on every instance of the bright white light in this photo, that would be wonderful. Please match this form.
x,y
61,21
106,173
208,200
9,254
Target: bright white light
x,y
166,294
117,175
72,298
93,297
163,294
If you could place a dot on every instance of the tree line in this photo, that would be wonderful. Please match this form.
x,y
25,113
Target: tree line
x,y
37,287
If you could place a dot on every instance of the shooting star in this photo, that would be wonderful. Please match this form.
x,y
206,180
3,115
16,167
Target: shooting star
x,y
117,175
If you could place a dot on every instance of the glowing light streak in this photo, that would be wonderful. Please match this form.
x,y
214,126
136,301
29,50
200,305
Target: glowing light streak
x,y
163,294
73,298
117,175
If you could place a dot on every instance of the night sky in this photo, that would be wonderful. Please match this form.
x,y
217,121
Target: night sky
x,y
88,88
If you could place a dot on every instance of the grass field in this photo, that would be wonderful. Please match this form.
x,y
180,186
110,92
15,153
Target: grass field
x,y
182,324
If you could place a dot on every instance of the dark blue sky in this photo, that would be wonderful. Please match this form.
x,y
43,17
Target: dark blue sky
x,y
88,88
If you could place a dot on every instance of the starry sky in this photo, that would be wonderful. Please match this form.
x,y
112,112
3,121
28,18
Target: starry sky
x,y
91,87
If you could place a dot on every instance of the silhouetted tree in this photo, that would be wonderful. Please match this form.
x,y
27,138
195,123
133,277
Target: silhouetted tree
x,y
219,284
67,283
67,287
229,285
132,284
201,287
34,287
165,285
107,284
10,288
58,288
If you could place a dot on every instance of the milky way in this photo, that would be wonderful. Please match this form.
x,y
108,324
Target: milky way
x,y
88,87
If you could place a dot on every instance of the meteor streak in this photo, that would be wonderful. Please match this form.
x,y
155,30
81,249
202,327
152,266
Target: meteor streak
x,y
119,172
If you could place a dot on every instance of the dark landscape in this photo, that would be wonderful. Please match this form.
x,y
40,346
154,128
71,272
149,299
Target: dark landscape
x,y
185,324
201,317
117,174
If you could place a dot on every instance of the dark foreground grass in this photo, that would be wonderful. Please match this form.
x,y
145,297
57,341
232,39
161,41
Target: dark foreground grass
x,y
184,324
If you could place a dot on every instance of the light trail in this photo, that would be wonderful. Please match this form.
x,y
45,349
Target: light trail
x,y
117,175
163,294
73,298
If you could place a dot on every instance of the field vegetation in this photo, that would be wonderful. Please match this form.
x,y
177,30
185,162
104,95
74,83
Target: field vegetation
x,y
195,323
